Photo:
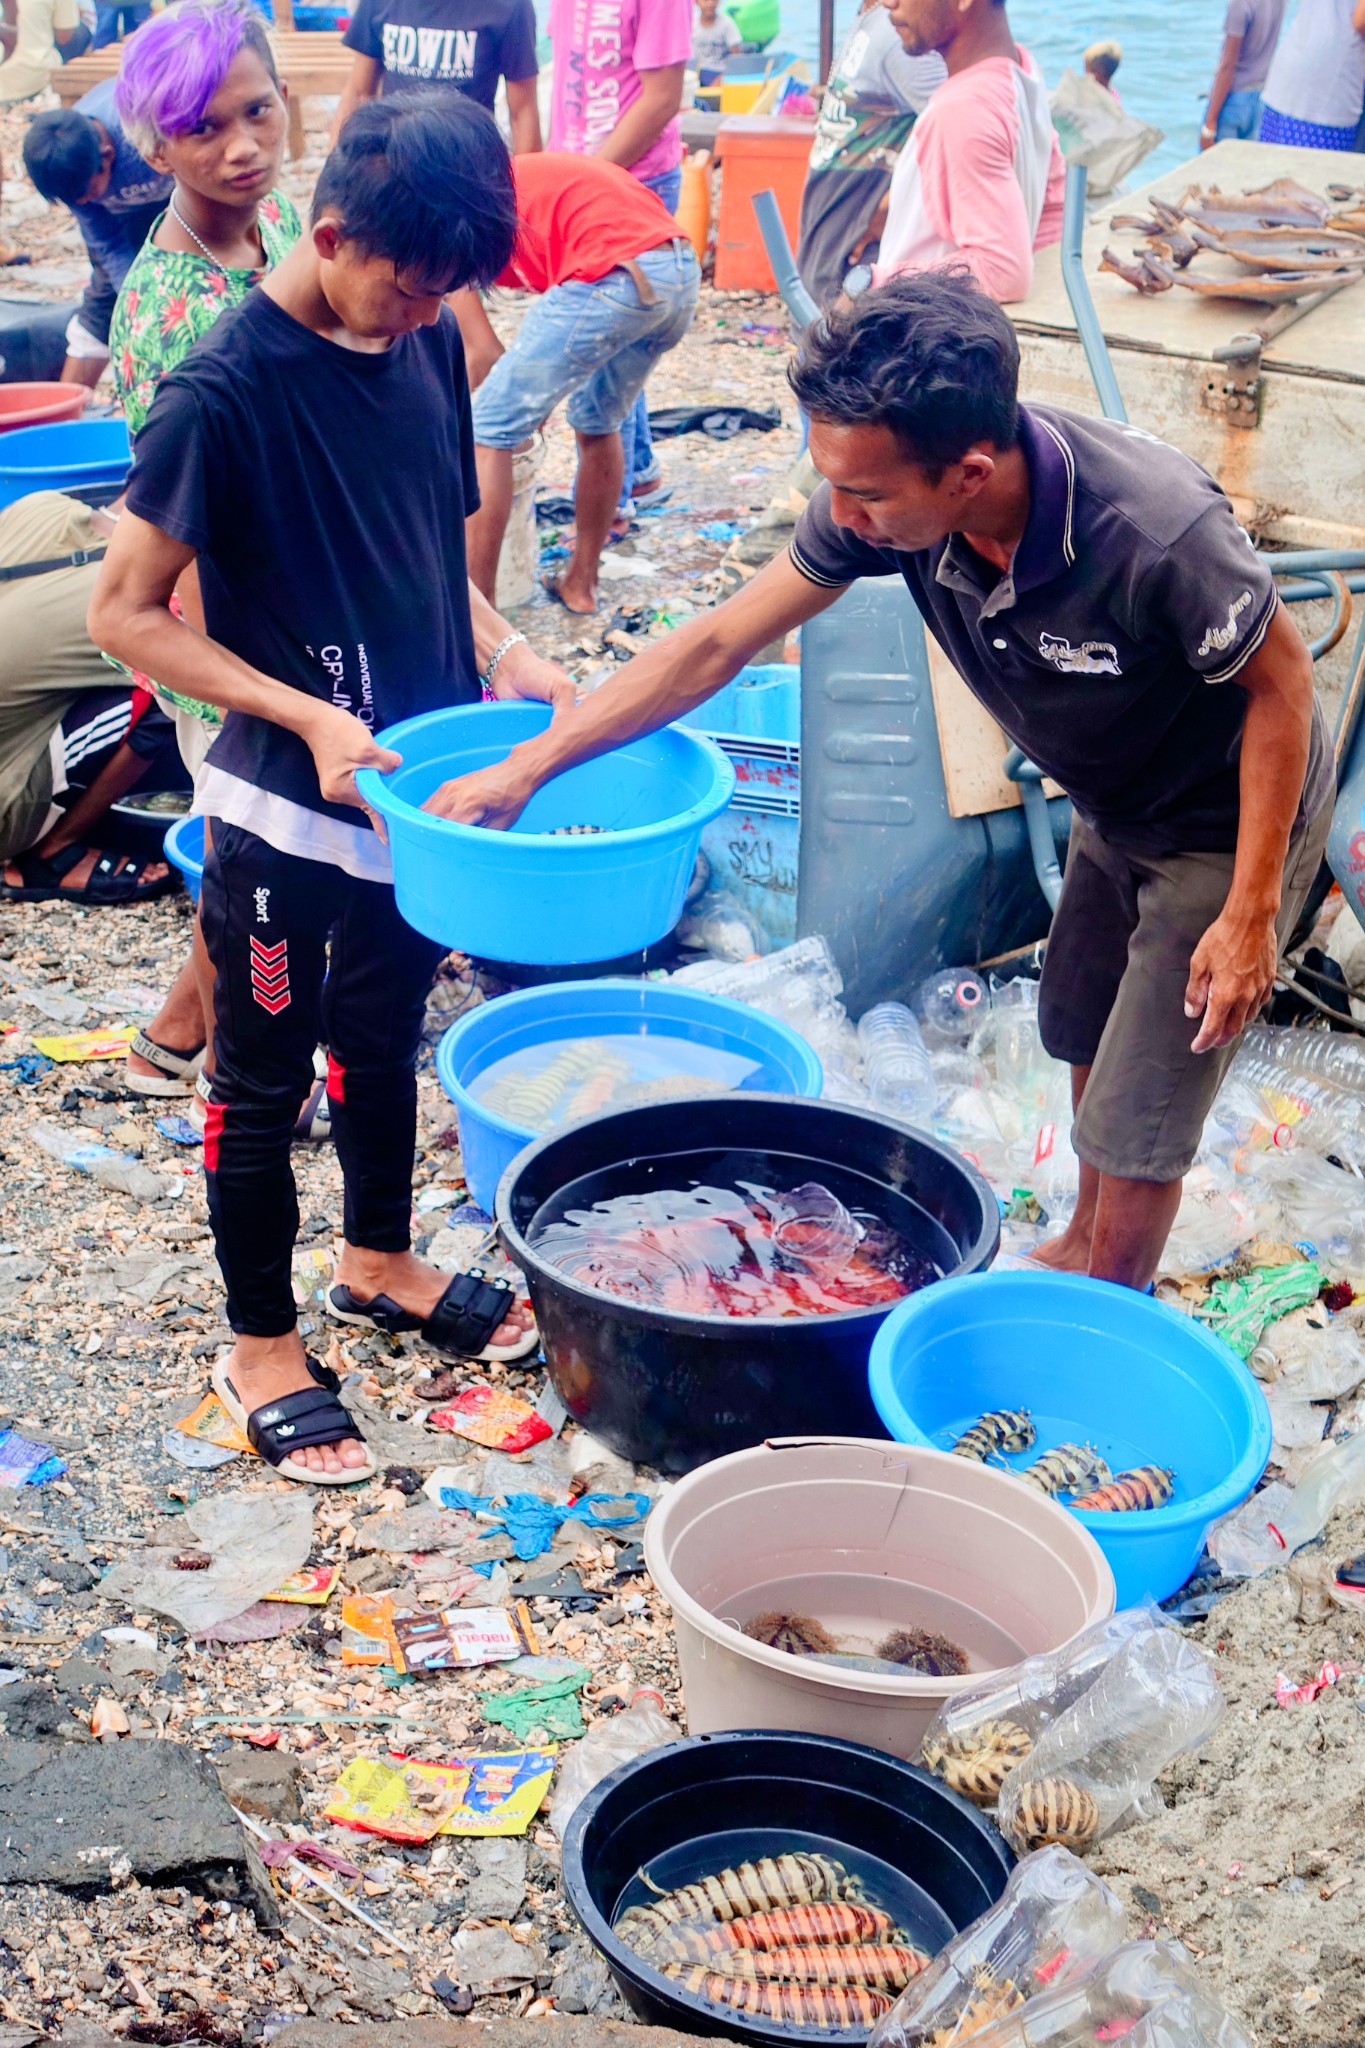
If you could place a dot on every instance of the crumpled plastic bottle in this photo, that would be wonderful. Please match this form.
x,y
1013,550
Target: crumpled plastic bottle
x,y
1267,1529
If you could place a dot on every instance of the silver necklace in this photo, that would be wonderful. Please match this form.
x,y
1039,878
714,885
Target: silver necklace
x,y
216,261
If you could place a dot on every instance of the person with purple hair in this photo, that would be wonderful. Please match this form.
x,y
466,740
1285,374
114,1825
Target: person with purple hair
x,y
199,97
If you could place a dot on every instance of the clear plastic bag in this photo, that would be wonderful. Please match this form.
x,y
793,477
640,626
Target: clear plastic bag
x,y
643,1726
254,1542
1145,1993
1097,1763
980,1734
1051,1924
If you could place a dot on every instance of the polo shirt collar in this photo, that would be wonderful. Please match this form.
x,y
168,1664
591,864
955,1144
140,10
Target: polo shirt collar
x,y
1047,549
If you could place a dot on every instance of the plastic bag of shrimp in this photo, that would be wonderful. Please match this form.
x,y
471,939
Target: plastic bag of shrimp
x,y
1051,1924
1095,1767
1145,1993
978,1736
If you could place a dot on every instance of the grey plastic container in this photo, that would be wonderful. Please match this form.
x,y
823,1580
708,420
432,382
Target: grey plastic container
x,y
895,883
905,1537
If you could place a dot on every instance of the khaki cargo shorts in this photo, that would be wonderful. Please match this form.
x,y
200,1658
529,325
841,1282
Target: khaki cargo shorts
x,y
1113,993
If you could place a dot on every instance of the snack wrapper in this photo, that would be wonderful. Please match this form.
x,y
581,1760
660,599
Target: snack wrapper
x,y
490,1416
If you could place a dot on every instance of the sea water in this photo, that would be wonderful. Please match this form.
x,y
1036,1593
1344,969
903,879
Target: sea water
x,y
568,1078
1170,53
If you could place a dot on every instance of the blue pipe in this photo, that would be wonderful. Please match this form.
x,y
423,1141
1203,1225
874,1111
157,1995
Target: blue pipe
x,y
797,299
1038,819
1082,305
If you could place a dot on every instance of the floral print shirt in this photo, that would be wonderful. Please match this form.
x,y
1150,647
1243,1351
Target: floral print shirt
x,y
168,300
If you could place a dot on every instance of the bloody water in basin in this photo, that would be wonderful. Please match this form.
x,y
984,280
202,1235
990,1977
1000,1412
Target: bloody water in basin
x,y
738,1234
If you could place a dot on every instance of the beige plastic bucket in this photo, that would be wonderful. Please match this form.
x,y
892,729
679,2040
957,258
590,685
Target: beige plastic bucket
x,y
865,1537
519,562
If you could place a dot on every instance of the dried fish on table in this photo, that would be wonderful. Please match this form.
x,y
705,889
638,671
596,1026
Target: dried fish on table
x,y
1278,249
1283,203
1142,273
1284,286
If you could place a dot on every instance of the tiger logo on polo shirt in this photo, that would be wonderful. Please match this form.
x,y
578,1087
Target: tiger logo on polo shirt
x,y
1091,658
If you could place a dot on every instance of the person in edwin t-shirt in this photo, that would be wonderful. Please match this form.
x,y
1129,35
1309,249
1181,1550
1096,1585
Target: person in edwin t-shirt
x,y
619,288
312,454
981,179
618,82
465,45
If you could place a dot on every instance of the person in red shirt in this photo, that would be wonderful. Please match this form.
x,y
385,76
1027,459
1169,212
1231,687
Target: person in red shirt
x,y
616,288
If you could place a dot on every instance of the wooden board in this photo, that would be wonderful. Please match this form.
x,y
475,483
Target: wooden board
x,y
311,61
1325,342
971,744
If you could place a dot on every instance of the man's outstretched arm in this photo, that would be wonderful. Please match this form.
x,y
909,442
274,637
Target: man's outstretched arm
x,y
671,677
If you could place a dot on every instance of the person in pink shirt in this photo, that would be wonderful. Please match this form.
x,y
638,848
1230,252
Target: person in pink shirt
x,y
616,93
981,179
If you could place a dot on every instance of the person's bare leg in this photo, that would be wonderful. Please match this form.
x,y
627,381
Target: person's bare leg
x,y
1132,1222
596,492
1070,1253
119,774
484,529
265,1369
414,1285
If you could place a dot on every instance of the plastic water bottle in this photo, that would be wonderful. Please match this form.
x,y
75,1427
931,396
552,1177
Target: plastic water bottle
x,y
950,1005
1326,1055
897,1066
643,1726
1335,1478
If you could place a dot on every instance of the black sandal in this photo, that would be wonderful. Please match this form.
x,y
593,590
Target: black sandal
x,y
308,1419
115,878
459,1326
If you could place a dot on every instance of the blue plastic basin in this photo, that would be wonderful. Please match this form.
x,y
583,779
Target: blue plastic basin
x,y
184,848
600,1009
70,455
1094,1363
526,894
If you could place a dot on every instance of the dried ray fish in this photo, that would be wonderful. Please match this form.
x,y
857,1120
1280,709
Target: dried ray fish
x,y
1282,203
1268,290
1280,249
1141,273
1136,224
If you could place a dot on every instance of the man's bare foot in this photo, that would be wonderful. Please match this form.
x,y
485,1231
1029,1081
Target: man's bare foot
x,y
574,595
76,877
415,1286
1069,1253
265,1369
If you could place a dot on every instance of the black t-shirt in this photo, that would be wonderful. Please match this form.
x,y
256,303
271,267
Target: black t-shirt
x,y
325,493
1111,648
467,44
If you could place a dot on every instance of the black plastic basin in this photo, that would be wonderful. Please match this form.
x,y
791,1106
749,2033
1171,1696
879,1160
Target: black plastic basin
x,y
673,1391
714,1801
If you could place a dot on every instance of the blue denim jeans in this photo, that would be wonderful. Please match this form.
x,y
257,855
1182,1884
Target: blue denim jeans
x,y
1240,116
635,436
591,343
113,22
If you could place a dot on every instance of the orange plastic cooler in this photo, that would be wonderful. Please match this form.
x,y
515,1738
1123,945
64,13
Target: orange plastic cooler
x,y
758,153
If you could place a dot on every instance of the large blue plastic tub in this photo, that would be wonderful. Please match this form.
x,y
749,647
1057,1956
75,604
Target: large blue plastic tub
x,y
72,455
526,894
600,1009
184,849
1093,1363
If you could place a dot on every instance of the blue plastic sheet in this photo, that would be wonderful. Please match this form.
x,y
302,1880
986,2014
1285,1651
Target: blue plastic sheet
x,y
533,1523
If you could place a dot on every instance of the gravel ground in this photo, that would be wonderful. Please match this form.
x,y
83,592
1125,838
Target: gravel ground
x,y
109,1318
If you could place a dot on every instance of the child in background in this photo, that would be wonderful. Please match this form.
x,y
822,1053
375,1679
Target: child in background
x,y
714,36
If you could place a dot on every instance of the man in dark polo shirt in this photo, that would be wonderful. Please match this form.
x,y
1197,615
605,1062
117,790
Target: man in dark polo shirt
x,y
1095,591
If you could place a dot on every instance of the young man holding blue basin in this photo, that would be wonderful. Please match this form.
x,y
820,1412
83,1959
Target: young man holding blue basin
x,y
332,407
1095,591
